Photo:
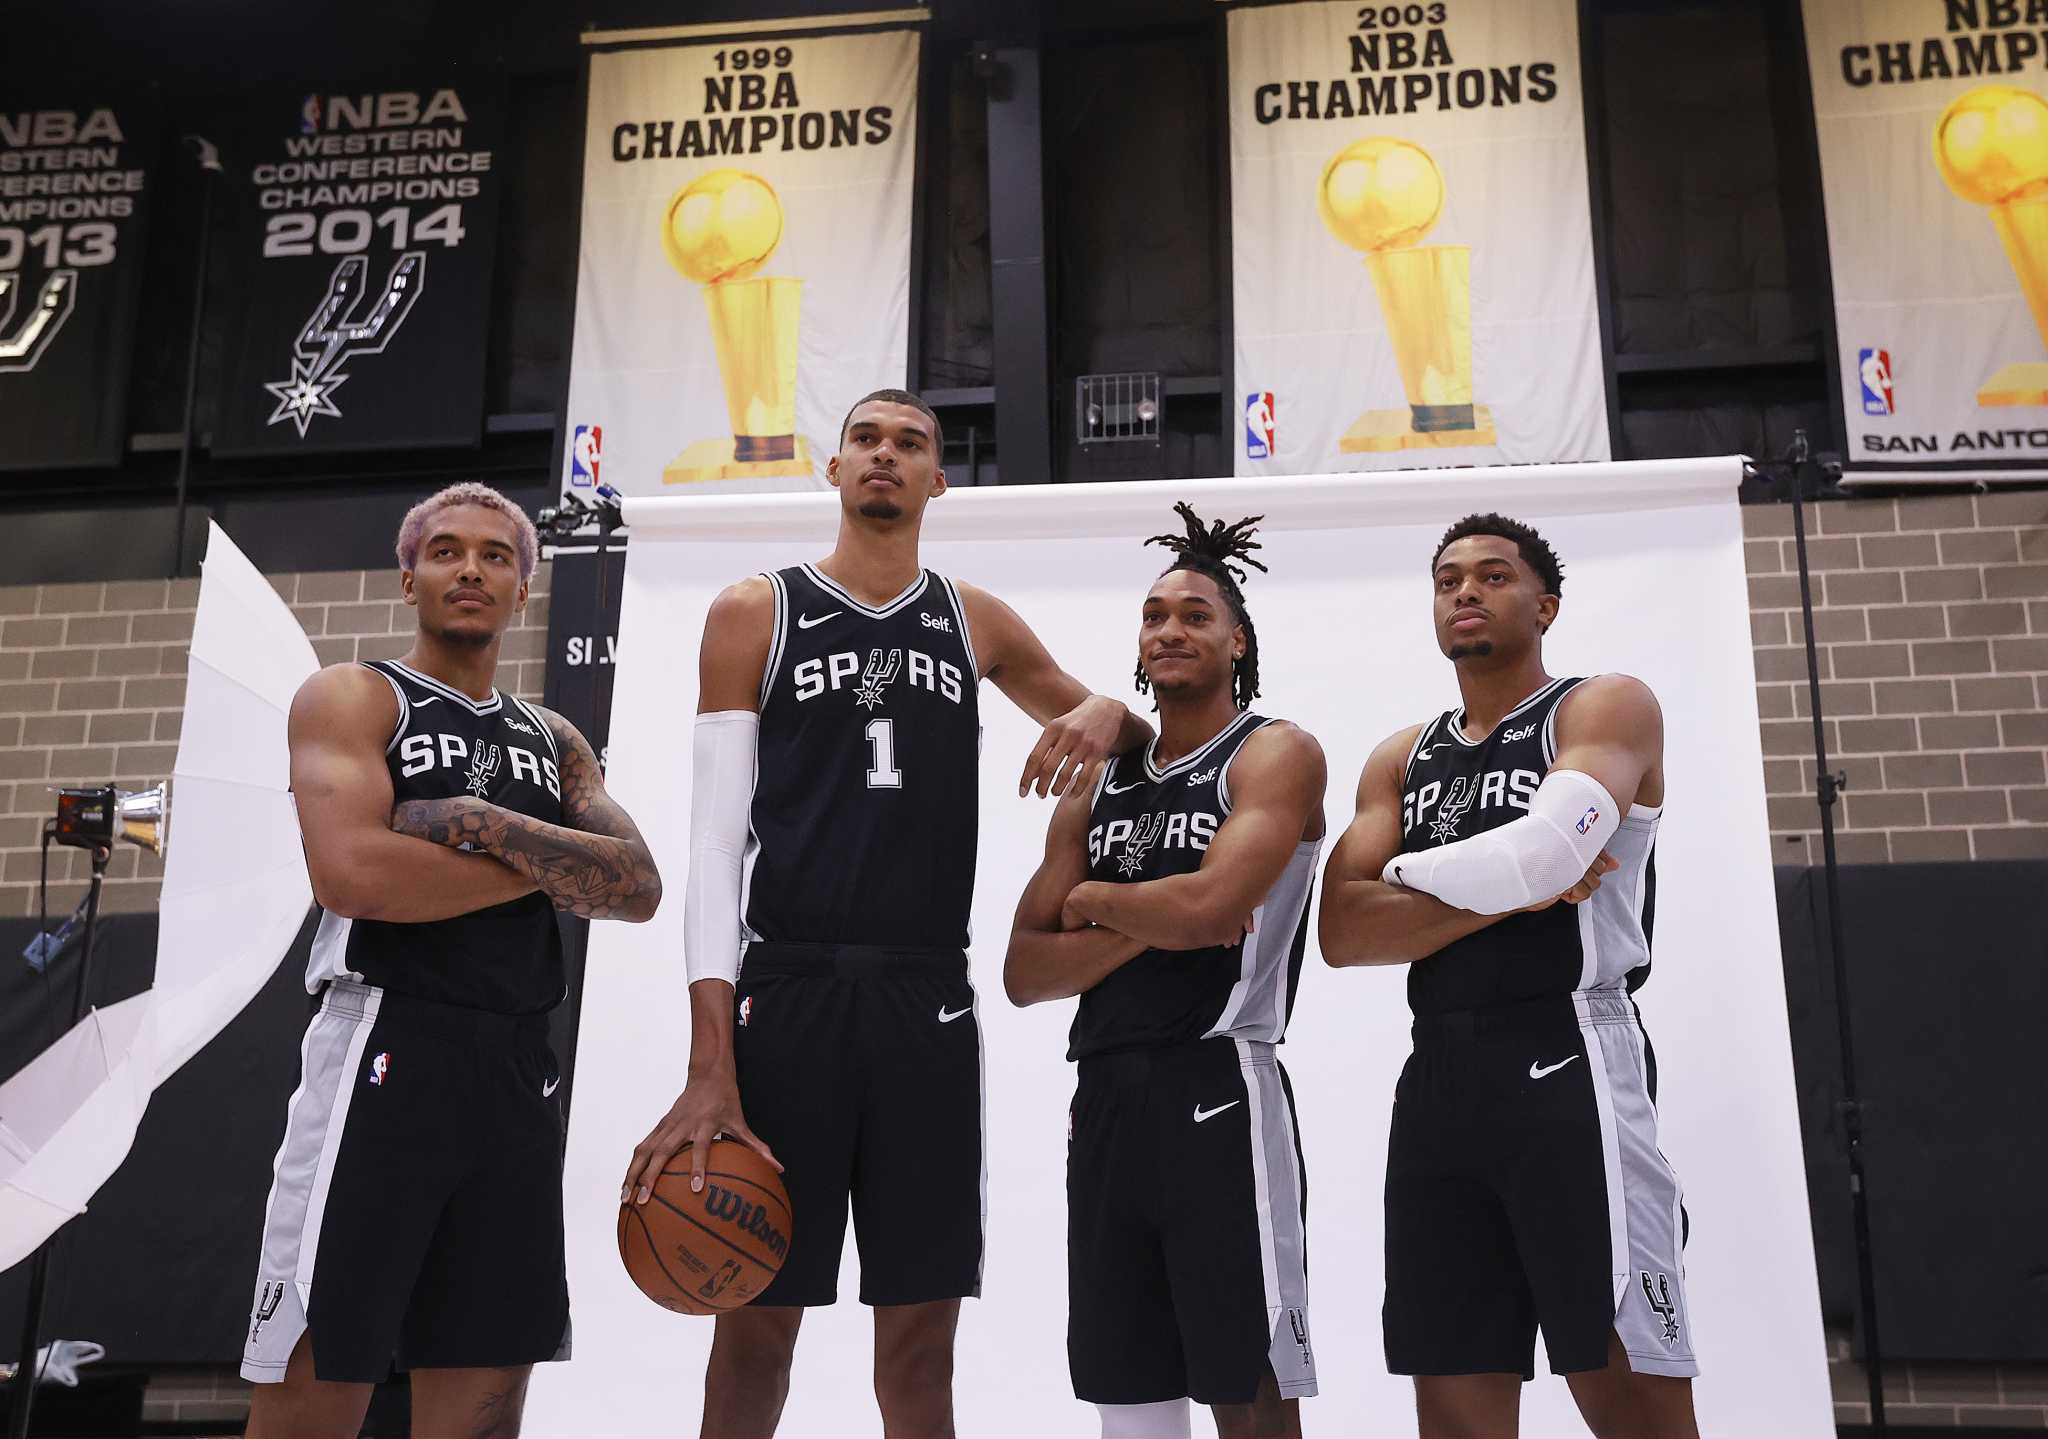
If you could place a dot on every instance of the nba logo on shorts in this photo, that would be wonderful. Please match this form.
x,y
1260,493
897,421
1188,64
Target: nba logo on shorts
x,y
1874,369
379,1067
585,450
1258,425
746,1010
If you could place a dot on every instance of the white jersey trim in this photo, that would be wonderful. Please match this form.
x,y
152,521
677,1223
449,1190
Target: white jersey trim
x,y
448,691
404,705
1455,725
839,592
777,634
1188,761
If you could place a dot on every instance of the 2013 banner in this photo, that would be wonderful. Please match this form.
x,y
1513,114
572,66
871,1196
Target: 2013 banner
x,y
367,233
1932,117
74,187
744,270
1411,240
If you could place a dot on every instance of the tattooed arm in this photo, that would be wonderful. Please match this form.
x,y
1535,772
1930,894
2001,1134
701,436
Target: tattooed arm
x,y
594,863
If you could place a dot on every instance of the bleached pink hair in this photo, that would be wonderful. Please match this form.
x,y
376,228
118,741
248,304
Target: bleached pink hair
x,y
413,529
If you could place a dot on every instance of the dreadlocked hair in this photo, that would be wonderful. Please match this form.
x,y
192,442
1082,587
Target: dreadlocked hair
x,y
1216,550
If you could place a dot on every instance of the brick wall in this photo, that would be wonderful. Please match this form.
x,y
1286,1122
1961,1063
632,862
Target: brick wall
x,y
1931,616
92,688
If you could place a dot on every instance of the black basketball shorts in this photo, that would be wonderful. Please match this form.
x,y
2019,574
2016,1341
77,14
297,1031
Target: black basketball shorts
x,y
860,1067
1187,1264
1525,1188
415,1213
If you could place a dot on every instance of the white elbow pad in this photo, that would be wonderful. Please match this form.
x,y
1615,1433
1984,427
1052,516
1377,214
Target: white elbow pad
x,y
1537,857
721,805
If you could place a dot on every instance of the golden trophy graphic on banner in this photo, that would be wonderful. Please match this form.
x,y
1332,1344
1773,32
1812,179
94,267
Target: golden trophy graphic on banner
x,y
719,229
1380,196
1991,146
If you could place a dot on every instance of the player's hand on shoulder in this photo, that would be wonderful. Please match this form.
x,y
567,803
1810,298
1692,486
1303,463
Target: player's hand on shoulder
x,y
1072,748
708,1106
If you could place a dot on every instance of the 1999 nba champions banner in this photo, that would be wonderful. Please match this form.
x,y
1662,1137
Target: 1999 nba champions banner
x,y
744,272
1411,243
1933,124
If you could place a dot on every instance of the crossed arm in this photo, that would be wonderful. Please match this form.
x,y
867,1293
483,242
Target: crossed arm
x,y
594,863
1070,932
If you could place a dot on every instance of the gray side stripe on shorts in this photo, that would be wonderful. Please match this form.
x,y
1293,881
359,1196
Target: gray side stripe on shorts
x,y
1283,1238
331,1059
1643,1192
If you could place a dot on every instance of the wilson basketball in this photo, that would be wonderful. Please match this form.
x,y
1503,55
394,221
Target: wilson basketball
x,y
713,1250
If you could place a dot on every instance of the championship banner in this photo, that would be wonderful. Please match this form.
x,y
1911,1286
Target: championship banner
x,y
744,273
1411,239
73,192
1933,137
368,227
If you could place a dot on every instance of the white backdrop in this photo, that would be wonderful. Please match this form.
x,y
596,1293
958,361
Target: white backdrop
x,y
1655,587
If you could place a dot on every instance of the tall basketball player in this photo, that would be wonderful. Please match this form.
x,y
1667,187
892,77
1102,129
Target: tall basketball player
x,y
416,1210
1173,899
833,828
1524,1183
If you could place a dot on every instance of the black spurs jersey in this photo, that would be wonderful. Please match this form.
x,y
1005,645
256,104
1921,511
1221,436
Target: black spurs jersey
x,y
1456,787
508,958
1148,823
865,798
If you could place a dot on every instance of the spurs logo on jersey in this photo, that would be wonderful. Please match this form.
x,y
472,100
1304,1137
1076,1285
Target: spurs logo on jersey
x,y
875,678
420,753
1181,829
864,812
828,674
1456,787
1149,823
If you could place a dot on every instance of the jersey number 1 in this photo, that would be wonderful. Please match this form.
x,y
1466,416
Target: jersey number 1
x,y
883,774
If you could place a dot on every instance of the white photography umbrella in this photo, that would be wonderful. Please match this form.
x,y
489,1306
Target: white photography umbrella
x,y
235,893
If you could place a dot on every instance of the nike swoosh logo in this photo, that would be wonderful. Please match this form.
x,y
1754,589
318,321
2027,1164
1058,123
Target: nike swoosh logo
x,y
947,1016
551,1086
429,700
1537,1071
1202,1114
1422,754
1121,788
805,622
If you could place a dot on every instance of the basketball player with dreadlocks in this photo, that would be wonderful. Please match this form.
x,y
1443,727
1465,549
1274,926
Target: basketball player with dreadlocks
x,y
1173,899
833,831
1524,1188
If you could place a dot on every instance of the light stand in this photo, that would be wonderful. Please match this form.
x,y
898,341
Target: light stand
x,y
86,819
1794,467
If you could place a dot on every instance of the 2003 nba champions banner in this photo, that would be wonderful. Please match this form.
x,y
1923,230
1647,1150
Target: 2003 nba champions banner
x,y
368,223
1411,243
73,186
744,273
1933,124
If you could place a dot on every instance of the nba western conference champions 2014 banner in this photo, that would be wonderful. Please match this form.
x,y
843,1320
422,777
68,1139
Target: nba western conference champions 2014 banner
x,y
72,194
1411,243
745,263
363,274
1932,117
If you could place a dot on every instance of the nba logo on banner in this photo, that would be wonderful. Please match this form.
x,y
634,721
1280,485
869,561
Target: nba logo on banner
x,y
1258,425
585,450
1874,368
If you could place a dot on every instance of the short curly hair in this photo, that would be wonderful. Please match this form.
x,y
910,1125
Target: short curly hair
x,y
1533,548
413,529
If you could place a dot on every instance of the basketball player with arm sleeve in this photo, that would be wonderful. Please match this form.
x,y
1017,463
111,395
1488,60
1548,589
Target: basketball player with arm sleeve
x,y
1524,1183
415,1211
833,829
1173,899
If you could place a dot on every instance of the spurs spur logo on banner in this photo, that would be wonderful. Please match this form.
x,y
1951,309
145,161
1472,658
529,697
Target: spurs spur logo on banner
x,y
22,345
333,335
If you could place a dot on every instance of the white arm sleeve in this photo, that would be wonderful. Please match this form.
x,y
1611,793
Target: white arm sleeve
x,y
1536,857
721,802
